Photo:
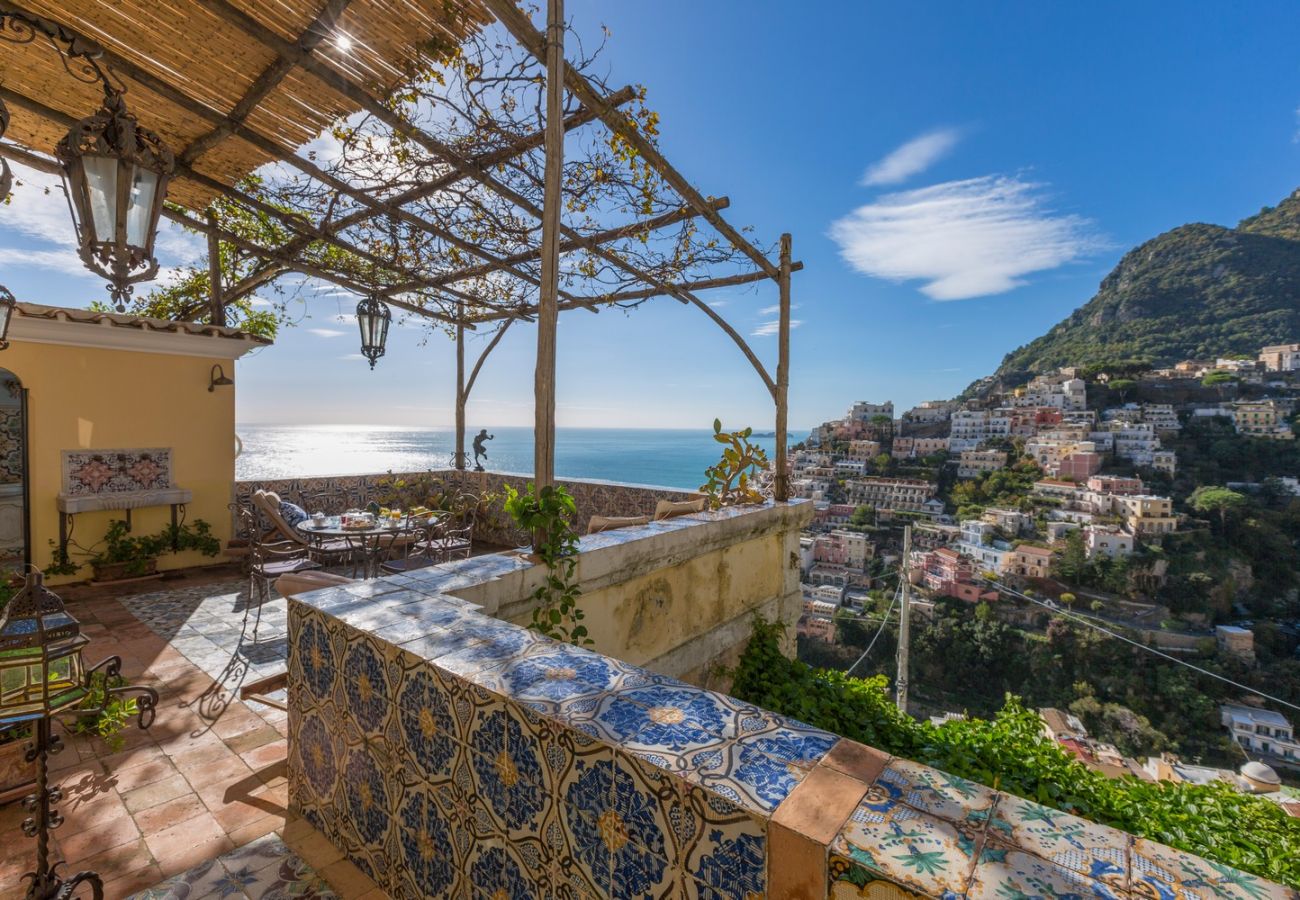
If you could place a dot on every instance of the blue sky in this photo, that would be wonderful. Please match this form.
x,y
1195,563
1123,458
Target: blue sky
x,y
957,178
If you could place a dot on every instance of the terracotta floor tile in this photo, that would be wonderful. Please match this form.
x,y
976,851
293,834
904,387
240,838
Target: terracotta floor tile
x,y
233,816
251,740
81,815
136,756
85,788
110,834
158,792
154,770
267,754
236,721
254,830
119,861
166,815
315,849
202,774
187,856
130,884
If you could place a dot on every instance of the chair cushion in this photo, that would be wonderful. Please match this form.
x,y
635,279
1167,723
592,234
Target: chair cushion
x,y
292,513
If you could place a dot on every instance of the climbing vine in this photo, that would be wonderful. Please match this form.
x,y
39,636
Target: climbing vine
x,y
548,516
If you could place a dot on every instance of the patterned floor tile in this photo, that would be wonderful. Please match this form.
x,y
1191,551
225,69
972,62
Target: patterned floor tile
x,y
937,793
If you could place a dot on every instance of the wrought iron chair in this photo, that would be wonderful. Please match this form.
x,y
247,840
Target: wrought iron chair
x,y
268,560
327,552
453,537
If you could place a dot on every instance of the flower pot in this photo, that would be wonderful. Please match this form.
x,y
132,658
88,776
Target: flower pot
x,y
123,570
17,775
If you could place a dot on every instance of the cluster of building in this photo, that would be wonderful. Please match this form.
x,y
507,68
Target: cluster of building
x,y
1266,738
871,456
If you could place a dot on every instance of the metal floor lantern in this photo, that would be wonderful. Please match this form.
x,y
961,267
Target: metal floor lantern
x,y
43,678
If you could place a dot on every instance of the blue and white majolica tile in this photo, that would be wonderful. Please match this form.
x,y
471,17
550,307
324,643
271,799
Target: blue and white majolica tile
x,y
427,847
1093,850
1015,874
1167,873
366,684
752,780
935,792
547,676
601,830
909,847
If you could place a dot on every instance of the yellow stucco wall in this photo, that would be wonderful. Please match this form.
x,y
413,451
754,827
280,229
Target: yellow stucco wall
x,y
86,398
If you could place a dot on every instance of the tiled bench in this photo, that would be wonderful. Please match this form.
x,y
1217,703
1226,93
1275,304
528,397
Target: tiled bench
x,y
449,754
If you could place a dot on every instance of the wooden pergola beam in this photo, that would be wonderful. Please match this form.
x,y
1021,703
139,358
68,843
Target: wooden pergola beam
x,y
613,234
516,21
419,192
285,48
368,102
278,262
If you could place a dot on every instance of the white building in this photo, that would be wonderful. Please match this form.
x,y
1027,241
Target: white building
x,y
1107,540
1260,731
1281,357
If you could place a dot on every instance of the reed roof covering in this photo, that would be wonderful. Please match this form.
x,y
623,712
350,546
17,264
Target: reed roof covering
x,y
167,52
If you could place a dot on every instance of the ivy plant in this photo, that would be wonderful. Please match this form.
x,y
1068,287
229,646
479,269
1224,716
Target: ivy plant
x,y
548,515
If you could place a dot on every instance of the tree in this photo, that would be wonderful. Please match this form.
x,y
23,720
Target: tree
x,y
1068,599
1122,387
1070,564
1220,501
1219,381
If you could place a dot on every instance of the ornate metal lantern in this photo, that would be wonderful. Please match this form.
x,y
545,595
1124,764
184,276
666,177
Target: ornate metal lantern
x,y
373,317
40,655
42,677
7,305
6,176
116,175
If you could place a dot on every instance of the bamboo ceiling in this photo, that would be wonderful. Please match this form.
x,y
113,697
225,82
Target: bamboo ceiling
x,y
203,56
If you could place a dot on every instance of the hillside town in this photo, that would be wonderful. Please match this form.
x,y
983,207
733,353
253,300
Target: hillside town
x,y
1066,493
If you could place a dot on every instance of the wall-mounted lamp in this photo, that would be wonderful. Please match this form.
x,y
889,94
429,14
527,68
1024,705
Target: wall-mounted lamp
x,y
7,304
218,379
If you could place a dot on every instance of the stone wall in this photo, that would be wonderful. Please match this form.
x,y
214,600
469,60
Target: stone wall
x,y
450,754
593,498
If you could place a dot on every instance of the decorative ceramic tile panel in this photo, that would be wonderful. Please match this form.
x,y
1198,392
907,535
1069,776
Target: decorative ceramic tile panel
x,y
449,754
89,472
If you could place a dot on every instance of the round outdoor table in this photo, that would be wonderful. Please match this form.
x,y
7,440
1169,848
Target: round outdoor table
x,y
369,542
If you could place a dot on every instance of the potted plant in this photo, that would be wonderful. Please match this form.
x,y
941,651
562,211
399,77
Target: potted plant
x,y
735,479
17,774
123,555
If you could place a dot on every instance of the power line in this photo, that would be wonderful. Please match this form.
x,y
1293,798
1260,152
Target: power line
x,y
1128,640
879,631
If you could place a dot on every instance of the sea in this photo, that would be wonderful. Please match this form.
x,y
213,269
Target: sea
x,y
663,457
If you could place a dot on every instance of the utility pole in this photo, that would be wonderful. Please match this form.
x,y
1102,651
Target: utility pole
x,y
904,624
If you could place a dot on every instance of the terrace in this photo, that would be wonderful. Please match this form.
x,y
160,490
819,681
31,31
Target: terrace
x,y
407,735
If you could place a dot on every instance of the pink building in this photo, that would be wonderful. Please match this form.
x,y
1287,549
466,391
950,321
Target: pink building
x,y
1115,484
945,571
1079,466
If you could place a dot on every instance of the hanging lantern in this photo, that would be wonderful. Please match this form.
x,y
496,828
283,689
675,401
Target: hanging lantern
x,y
116,175
373,317
6,176
41,671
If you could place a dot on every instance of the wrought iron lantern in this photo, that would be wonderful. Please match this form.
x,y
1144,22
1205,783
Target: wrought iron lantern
x,y
7,306
116,175
373,317
6,175
42,676
40,655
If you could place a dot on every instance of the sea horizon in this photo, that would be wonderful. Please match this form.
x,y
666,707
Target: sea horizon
x,y
660,457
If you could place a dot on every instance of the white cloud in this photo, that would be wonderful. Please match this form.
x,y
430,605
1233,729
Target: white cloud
x,y
65,262
911,158
357,356
963,239
767,329
326,332
773,310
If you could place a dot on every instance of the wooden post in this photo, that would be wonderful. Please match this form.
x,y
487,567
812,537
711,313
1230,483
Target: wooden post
x,y
216,298
548,301
460,393
782,486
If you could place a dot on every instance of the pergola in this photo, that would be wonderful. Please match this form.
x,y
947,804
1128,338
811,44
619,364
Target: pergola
x,y
231,86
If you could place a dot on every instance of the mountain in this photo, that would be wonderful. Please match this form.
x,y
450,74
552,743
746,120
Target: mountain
x,y
1197,291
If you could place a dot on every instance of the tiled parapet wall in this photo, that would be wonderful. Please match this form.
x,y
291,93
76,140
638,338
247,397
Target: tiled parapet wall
x,y
450,754
592,498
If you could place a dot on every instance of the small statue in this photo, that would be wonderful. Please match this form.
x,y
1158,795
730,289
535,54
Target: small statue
x,y
479,449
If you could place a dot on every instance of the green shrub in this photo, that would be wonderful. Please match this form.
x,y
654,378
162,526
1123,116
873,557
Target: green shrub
x,y
1010,753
